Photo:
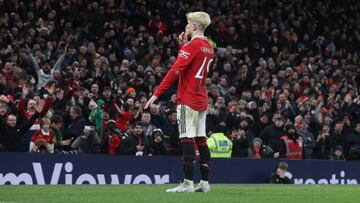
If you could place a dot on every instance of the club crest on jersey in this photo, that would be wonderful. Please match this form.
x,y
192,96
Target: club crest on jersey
x,y
184,54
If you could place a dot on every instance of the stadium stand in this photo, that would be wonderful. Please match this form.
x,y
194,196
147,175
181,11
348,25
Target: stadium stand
x,y
90,67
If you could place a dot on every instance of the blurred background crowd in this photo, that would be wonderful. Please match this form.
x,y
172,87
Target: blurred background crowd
x,y
75,75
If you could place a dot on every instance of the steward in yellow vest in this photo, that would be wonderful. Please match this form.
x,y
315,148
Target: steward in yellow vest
x,y
219,145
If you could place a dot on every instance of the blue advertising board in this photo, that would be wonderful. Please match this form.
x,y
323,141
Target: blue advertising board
x,y
53,169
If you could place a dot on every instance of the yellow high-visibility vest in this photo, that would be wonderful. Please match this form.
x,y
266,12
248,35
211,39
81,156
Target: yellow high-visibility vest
x,y
219,145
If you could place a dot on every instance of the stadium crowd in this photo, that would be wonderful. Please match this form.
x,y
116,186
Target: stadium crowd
x,y
75,76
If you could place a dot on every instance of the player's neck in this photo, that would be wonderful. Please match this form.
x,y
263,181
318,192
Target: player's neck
x,y
198,35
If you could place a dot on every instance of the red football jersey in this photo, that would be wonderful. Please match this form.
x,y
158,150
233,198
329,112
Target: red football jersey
x,y
38,135
191,68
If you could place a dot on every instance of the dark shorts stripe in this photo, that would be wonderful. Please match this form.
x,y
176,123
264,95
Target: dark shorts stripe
x,y
183,119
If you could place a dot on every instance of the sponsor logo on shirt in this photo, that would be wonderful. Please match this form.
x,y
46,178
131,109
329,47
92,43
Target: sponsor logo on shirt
x,y
184,54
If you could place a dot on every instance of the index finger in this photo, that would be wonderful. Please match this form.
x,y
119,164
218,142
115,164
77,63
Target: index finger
x,y
147,105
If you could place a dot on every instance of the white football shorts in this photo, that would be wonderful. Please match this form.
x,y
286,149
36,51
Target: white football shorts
x,y
191,123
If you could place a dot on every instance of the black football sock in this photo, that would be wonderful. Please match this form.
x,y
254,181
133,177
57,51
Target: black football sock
x,y
204,162
188,159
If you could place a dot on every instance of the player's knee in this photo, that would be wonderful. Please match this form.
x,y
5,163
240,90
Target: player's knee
x,y
205,157
188,151
201,141
188,159
204,153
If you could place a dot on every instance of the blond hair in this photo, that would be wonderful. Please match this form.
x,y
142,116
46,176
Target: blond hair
x,y
45,121
201,18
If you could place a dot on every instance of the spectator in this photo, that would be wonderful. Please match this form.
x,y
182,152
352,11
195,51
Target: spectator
x,y
337,137
44,73
158,146
338,153
137,143
259,125
28,108
88,141
6,106
309,141
279,176
146,123
240,143
271,134
322,148
125,114
157,118
220,109
258,150
111,139
43,139
56,128
291,146
171,133
301,64
353,143
109,100
13,130
75,128
96,115
219,145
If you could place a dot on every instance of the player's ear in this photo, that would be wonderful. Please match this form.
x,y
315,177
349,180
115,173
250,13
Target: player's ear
x,y
194,27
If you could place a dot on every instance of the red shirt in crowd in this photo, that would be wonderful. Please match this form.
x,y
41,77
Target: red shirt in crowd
x,y
25,114
40,135
122,119
191,68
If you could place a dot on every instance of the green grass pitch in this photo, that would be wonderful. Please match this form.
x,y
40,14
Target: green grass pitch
x,y
156,193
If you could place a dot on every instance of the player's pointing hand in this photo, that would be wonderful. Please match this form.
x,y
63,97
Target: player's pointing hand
x,y
150,102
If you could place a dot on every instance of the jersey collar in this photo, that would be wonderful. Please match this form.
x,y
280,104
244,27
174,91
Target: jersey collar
x,y
199,36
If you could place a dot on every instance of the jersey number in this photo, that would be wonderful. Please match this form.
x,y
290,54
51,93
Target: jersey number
x,y
200,73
